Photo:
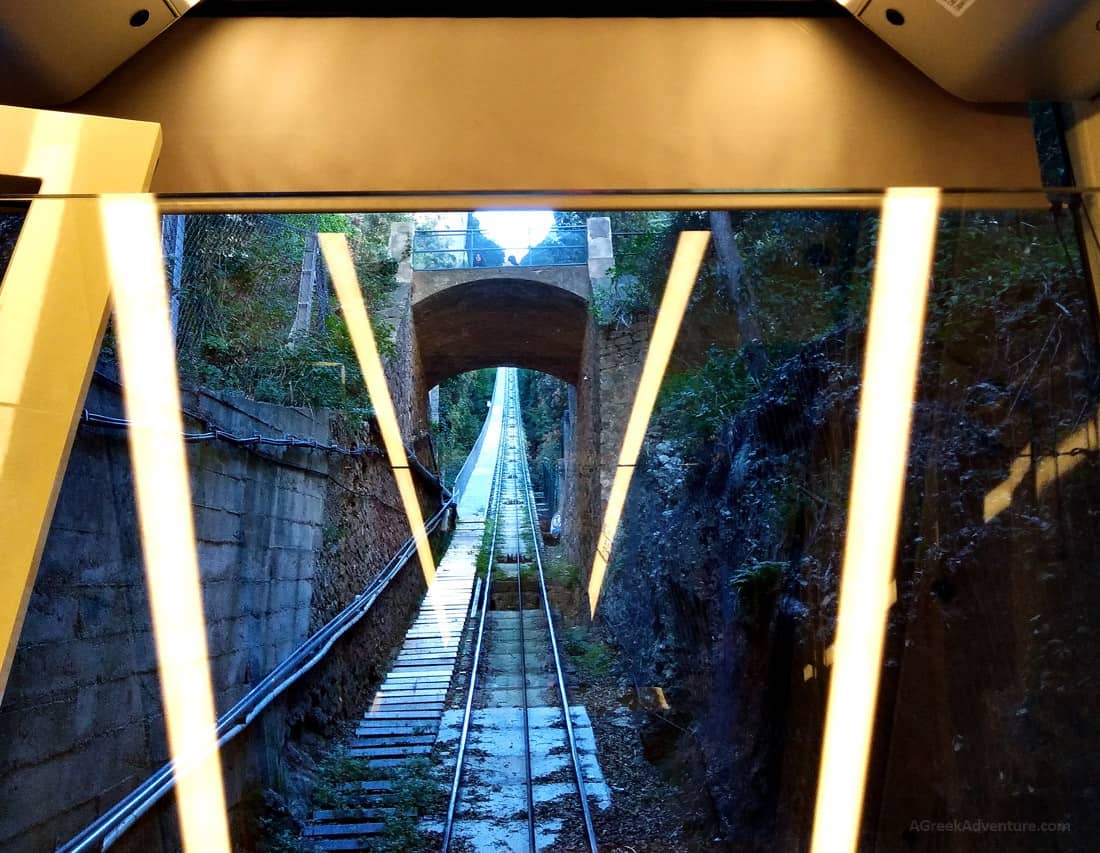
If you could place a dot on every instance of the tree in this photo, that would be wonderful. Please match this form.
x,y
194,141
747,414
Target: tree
x,y
740,291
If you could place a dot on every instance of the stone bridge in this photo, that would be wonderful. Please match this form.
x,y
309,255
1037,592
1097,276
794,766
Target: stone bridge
x,y
449,321
535,317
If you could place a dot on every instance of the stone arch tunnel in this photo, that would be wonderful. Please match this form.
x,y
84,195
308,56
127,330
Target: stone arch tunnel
x,y
533,317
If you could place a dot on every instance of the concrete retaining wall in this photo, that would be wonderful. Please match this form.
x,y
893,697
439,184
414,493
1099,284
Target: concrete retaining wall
x,y
81,723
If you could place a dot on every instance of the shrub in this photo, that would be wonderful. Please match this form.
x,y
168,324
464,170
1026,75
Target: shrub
x,y
755,583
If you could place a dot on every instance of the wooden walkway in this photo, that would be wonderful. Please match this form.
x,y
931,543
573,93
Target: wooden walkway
x,y
403,719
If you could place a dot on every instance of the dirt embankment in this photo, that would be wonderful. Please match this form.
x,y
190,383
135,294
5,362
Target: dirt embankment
x,y
724,585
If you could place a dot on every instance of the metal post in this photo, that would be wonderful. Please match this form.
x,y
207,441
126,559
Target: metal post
x,y
305,290
172,231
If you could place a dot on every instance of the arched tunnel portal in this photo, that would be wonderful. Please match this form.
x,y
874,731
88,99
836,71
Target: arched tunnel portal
x,y
469,319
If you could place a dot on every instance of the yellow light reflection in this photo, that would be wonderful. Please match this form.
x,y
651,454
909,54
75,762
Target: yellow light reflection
x,y
1065,459
131,235
681,279
345,281
52,154
999,498
1069,453
902,267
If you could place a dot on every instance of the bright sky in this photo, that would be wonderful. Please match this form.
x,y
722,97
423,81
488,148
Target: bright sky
x,y
516,229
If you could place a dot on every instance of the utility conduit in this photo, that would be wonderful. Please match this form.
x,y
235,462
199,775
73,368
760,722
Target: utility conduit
x,y
93,419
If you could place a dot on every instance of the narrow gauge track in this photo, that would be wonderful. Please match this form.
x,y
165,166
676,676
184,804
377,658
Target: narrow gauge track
x,y
514,528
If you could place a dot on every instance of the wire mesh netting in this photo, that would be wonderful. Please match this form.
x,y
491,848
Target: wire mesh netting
x,y
252,306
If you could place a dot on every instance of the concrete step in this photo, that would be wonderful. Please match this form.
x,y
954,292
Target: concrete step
x,y
427,689
405,687
397,714
368,786
342,844
406,675
434,645
385,701
389,738
348,815
336,830
405,705
389,751
388,731
432,692
386,763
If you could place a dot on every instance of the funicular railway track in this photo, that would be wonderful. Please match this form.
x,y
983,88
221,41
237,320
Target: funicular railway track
x,y
518,774
516,721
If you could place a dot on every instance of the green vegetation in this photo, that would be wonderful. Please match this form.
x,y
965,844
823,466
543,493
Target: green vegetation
x,y
591,657
485,554
239,297
693,404
527,571
756,582
462,408
453,250
334,533
333,773
809,272
275,837
644,244
558,571
987,263
416,791
543,401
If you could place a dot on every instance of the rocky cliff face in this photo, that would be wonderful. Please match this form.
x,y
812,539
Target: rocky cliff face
x,y
723,588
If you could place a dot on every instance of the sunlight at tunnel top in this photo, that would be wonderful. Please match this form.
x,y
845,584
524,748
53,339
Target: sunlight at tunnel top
x,y
514,230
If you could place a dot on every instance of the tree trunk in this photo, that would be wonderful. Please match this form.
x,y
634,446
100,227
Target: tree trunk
x,y
739,290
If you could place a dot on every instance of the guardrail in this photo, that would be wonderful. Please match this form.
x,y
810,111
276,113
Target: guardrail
x,y
434,249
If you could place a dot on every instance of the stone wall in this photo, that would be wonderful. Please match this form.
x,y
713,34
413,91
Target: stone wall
x,y
411,410
81,722
622,351
582,441
595,420
404,368
286,538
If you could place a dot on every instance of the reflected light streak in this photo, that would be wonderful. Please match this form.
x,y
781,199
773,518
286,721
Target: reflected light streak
x,y
51,156
131,235
902,267
1000,497
345,281
1069,453
681,279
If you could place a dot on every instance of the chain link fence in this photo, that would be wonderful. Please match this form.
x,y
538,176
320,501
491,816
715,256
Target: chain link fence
x,y
252,308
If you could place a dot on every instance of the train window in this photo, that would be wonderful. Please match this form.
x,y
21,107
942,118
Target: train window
x,y
551,528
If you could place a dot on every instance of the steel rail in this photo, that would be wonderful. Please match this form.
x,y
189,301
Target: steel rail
x,y
456,782
110,826
513,437
536,535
